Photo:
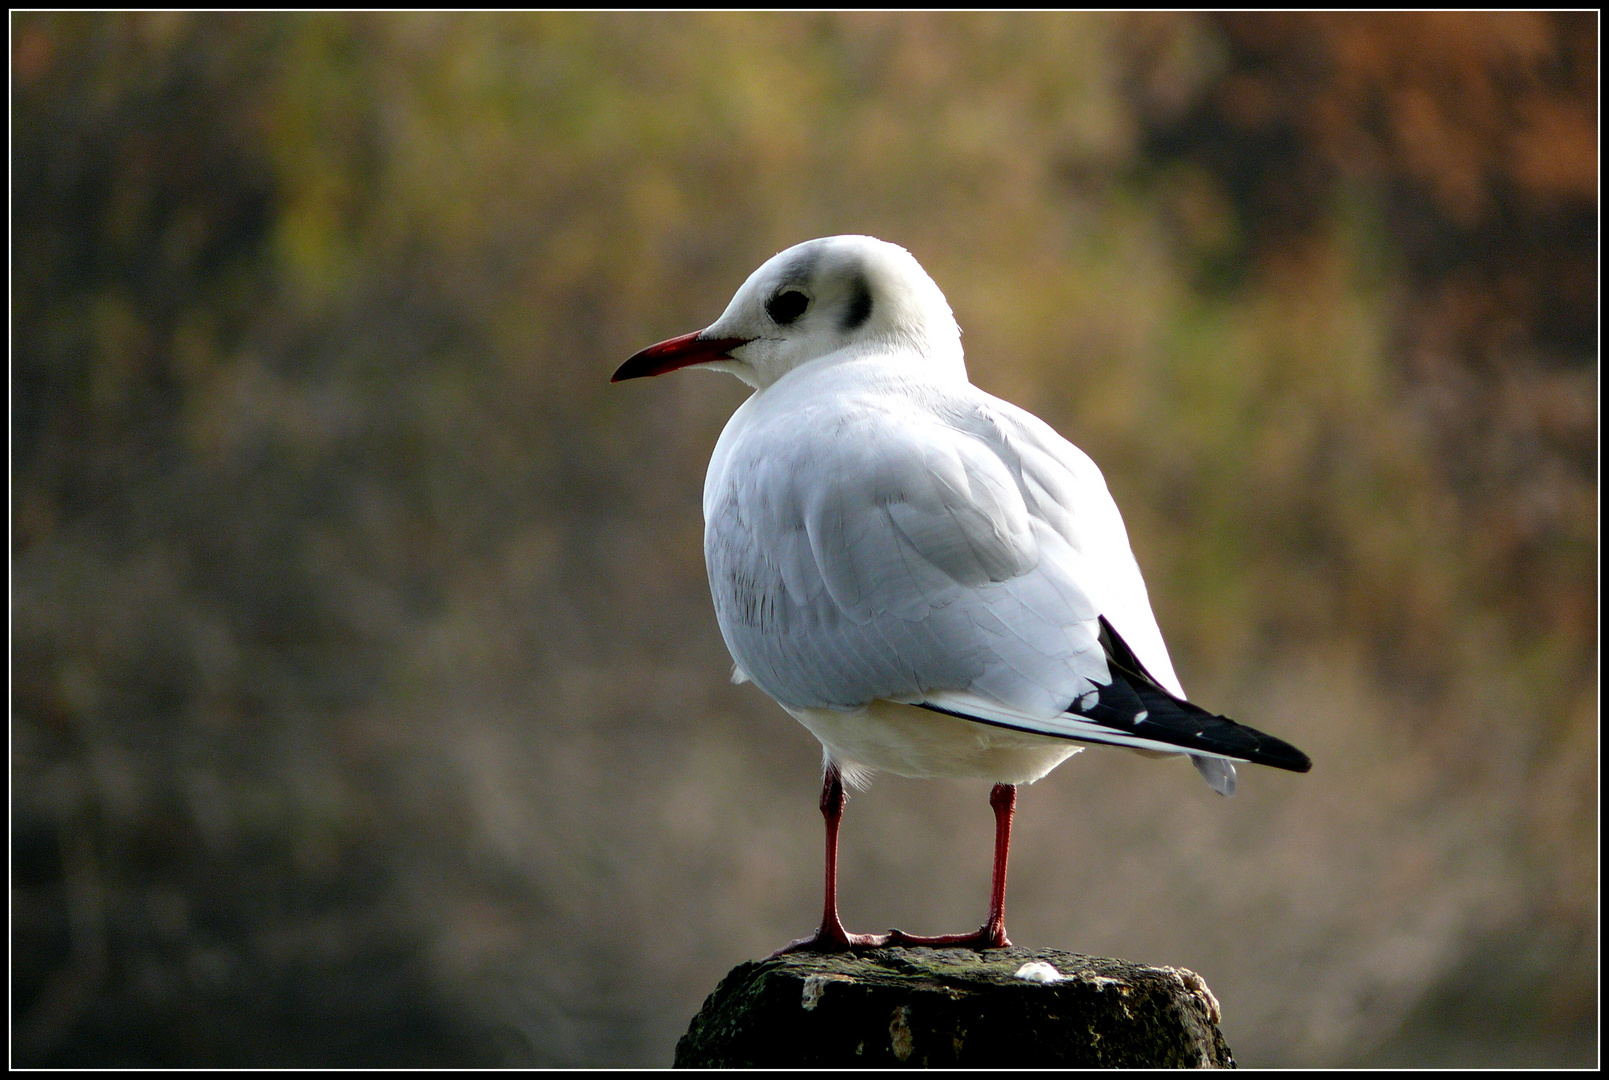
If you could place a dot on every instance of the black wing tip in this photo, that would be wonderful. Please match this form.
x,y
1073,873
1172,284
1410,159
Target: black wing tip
x,y
1287,757
1269,750
1251,746
1263,749
1187,725
1259,748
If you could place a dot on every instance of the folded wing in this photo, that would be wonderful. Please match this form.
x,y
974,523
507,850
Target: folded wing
x,y
856,553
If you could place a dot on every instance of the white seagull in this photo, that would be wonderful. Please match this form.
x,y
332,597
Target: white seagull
x,y
928,578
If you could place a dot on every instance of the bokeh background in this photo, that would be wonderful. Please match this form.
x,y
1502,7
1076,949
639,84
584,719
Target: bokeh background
x,y
368,706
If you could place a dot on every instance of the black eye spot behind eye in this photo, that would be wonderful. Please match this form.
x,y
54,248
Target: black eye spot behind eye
x,y
786,306
859,308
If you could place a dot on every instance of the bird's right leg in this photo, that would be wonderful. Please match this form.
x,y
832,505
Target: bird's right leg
x,y
831,936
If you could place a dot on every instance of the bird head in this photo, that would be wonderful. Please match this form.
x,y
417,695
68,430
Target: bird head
x,y
845,296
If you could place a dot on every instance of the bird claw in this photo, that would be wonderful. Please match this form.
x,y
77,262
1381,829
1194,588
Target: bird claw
x,y
984,937
829,941
835,940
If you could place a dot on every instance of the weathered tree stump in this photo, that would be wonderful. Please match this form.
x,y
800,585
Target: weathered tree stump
x,y
937,1007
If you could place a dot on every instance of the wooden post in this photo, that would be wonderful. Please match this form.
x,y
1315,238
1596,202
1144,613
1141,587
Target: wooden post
x,y
955,1007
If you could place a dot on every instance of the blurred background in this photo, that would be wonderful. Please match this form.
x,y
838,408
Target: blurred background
x,y
368,705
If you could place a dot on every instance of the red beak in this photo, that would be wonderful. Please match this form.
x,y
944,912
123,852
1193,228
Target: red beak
x,y
678,352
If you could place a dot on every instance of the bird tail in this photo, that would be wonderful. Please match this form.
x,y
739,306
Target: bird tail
x,y
1219,773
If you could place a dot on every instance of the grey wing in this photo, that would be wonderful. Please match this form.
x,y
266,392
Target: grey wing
x,y
1063,487
860,556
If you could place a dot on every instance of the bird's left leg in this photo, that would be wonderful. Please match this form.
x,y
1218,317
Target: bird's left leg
x,y
992,934
831,936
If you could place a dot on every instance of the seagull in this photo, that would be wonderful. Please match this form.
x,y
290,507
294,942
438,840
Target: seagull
x,y
930,579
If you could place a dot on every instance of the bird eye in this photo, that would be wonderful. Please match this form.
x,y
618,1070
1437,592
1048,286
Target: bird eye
x,y
786,306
